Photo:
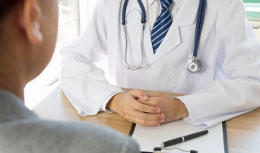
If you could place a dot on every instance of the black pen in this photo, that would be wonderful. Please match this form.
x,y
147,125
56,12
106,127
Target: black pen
x,y
184,138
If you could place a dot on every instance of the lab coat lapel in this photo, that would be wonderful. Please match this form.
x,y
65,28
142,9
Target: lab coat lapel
x,y
186,16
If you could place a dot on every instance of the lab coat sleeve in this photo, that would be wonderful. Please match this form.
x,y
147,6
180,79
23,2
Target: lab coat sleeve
x,y
239,57
82,81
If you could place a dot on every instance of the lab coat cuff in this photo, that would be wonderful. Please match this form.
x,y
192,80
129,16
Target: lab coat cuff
x,y
208,121
193,115
104,106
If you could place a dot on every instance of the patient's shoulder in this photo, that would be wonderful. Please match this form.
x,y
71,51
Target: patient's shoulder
x,y
47,136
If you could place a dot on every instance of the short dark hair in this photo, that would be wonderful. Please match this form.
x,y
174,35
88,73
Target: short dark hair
x,y
6,6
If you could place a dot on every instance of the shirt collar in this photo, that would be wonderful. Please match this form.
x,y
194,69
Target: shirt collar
x,y
177,2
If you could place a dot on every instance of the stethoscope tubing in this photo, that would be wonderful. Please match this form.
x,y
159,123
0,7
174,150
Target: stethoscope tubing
x,y
126,49
199,25
143,20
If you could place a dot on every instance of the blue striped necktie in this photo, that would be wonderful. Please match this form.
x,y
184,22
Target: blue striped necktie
x,y
161,25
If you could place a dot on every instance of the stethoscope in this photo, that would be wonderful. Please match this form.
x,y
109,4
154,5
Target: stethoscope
x,y
194,65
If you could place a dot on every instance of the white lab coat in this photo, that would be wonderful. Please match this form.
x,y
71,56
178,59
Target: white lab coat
x,y
93,67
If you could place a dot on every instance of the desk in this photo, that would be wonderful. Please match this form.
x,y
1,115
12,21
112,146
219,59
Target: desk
x,y
243,131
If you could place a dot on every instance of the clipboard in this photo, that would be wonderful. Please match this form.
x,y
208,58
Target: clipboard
x,y
225,140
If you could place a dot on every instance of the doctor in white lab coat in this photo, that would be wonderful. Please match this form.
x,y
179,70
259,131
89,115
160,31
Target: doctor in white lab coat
x,y
94,70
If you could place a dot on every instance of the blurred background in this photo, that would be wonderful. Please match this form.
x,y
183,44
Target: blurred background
x,y
74,16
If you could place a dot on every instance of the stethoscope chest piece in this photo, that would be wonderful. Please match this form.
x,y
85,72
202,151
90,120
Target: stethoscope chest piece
x,y
194,65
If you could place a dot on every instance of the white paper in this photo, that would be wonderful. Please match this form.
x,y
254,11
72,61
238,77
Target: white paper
x,y
150,137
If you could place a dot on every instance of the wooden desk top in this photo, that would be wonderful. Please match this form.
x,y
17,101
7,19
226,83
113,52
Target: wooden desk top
x,y
243,131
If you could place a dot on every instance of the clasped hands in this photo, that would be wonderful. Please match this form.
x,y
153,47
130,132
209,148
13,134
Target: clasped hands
x,y
148,109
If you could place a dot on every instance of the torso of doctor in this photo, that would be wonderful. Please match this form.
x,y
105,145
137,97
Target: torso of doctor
x,y
93,67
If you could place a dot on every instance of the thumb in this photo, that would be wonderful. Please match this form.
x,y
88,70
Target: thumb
x,y
139,94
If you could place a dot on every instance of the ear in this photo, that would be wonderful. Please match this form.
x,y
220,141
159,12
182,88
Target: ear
x,y
30,21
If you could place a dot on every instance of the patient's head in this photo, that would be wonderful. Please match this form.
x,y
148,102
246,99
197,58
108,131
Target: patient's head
x,y
28,30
